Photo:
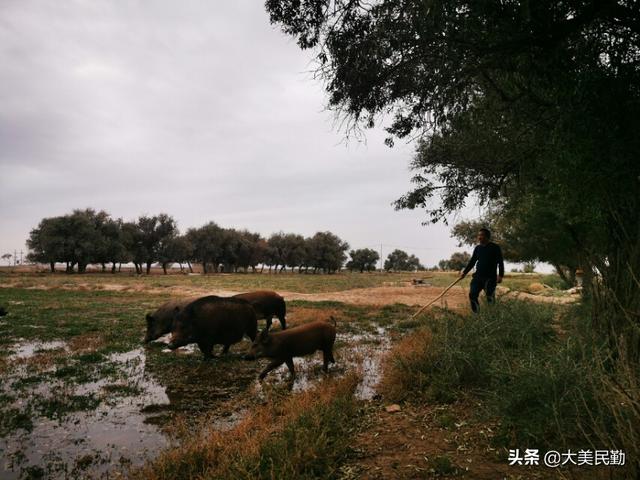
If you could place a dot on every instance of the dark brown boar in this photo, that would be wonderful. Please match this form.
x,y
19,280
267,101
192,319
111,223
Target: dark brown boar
x,y
213,320
267,304
306,339
160,322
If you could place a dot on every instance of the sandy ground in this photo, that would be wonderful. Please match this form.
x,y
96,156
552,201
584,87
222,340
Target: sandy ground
x,y
455,299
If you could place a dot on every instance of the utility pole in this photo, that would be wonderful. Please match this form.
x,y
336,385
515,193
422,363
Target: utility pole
x,y
15,257
21,252
381,261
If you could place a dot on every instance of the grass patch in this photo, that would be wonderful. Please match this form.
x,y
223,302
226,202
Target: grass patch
x,y
549,390
58,406
555,281
304,436
14,419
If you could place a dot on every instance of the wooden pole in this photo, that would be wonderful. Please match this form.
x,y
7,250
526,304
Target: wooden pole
x,y
436,299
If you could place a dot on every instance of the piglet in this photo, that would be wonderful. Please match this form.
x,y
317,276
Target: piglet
x,y
299,341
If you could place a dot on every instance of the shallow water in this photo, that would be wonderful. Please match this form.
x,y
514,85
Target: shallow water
x,y
126,428
29,349
112,436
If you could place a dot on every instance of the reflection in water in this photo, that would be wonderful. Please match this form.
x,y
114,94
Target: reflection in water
x,y
29,349
112,436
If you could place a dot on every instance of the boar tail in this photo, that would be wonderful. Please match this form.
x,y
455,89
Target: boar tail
x,y
333,320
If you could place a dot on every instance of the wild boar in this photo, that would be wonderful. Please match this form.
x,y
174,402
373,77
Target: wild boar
x,y
306,339
160,322
3,312
213,320
267,304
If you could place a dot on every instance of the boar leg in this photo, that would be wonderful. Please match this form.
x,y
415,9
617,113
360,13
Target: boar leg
x,y
225,349
283,322
327,356
205,348
274,364
269,320
289,362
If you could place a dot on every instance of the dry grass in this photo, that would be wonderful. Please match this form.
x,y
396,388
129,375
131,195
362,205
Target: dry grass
x,y
302,315
86,343
261,446
399,378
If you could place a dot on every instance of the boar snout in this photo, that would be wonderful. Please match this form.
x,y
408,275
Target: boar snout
x,y
178,342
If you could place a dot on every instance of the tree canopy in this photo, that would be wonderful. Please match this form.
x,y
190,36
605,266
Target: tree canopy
x,y
363,259
512,103
401,261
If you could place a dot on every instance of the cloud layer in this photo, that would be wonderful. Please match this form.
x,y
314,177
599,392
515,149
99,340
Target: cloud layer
x,y
199,109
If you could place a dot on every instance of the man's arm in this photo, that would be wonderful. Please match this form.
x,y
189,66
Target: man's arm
x,y
472,262
500,264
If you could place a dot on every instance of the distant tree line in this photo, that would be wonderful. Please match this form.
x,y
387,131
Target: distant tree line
x,y
90,237
86,237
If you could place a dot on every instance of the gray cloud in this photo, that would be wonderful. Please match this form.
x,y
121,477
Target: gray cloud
x,y
200,109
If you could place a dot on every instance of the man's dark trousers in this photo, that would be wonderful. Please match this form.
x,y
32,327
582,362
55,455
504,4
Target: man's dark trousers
x,y
477,285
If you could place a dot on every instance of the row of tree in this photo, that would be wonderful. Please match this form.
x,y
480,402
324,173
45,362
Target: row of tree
x,y
86,237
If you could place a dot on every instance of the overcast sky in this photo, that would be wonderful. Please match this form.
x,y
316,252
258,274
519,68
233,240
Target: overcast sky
x,y
195,108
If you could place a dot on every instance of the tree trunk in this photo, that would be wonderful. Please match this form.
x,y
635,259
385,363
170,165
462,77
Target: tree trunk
x,y
52,266
113,267
119,267
204,268
164,268
149,262
561,273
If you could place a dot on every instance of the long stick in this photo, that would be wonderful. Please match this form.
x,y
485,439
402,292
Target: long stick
x,y
436,299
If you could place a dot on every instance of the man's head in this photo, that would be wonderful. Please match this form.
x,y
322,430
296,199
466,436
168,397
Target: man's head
x,y
484,235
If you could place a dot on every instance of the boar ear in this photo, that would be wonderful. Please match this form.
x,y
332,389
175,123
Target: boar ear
x,y
149,317
176,311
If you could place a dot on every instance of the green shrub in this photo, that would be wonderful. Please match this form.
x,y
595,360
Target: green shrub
x,y
469,352
555,281
508,354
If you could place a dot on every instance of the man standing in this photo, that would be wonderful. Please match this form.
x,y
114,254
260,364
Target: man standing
x,y
486,257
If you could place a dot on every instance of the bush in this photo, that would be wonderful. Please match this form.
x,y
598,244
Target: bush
x,y
468,352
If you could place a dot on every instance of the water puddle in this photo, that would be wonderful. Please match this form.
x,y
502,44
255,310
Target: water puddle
x,y
29,349
110,437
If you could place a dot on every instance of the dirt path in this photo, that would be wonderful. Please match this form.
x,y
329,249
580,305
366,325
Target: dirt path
x,y
431,441
456,298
